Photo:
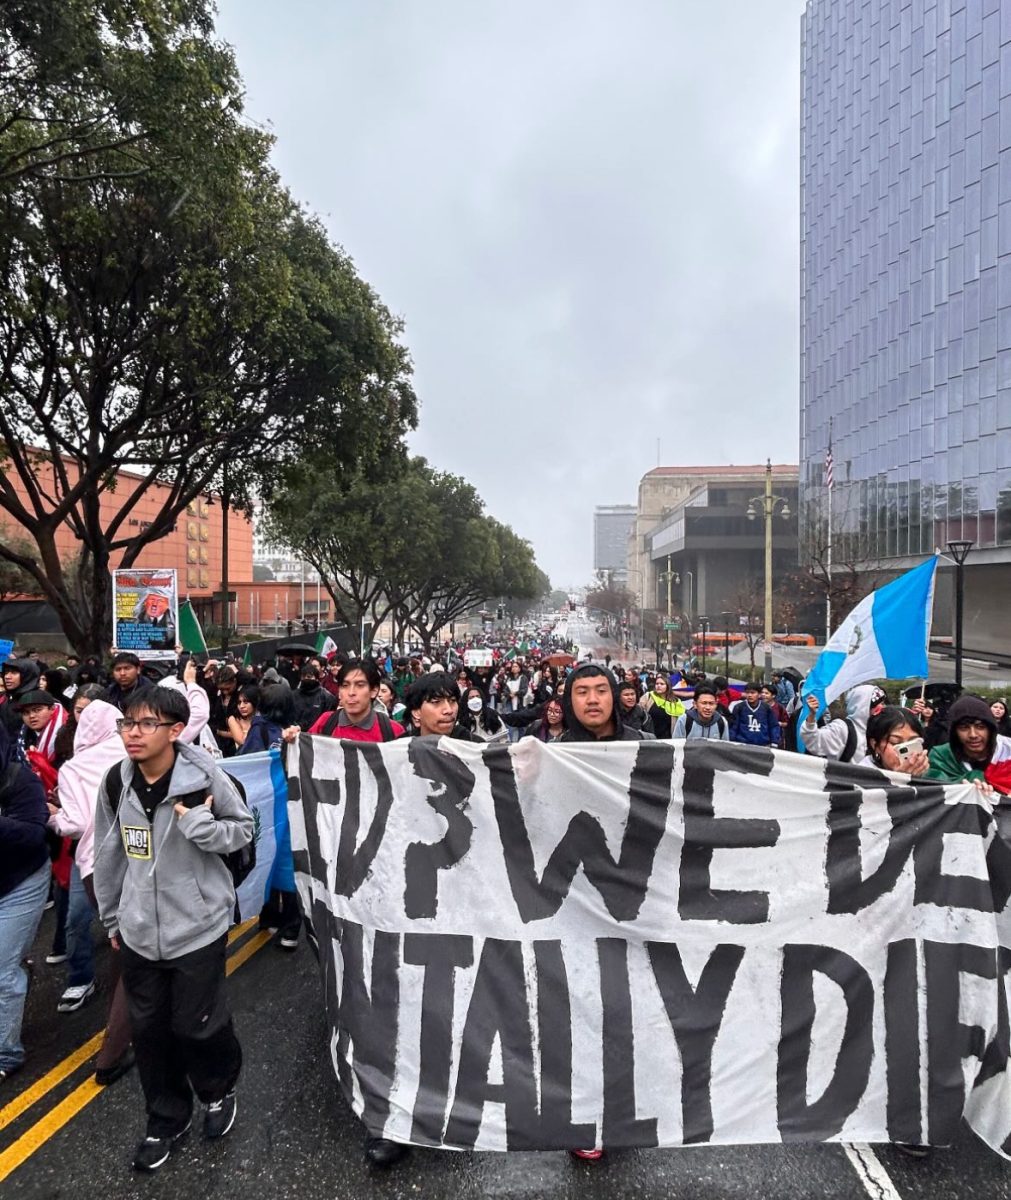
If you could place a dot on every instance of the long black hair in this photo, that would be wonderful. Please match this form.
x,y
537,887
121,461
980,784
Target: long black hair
x,y
884,723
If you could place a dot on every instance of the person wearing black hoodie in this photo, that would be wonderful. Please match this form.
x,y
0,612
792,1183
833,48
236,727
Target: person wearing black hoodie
x,y
24,885
972,743
20,675
312,700
592,709
592,714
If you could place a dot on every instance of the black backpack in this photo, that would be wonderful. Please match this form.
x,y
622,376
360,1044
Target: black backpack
x,y
385,728
239,862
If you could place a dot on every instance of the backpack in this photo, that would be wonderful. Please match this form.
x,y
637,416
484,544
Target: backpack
x,y
385,728
239,862
721,724
851,742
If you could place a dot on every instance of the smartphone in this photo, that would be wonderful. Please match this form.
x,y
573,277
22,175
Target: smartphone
x,y
904,749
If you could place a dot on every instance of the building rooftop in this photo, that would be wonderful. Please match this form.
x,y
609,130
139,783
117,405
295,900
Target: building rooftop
x,y
725,469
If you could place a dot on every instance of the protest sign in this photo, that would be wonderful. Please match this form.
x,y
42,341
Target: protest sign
x,y
643,944
145,612
478,657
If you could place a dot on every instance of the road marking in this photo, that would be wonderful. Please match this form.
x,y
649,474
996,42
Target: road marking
x,y
238,930
23,1102
68,1108
247,951
876,1180
51,1123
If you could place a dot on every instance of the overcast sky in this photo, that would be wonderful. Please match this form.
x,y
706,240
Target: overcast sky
x,y
586,213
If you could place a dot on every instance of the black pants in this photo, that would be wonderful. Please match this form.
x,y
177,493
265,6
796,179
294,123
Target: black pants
x,y
182,1032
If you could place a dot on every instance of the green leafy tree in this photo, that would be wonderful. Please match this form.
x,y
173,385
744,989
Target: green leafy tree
x,y
185,319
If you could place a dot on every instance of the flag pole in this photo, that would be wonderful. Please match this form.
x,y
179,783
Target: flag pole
x,y
829,479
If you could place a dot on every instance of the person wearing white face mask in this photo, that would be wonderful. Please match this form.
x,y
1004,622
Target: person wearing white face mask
x,y
477,716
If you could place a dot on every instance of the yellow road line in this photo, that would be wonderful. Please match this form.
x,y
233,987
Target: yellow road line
x,y
31,1095
239,930
51,1123
30,1141
247,951
11,1112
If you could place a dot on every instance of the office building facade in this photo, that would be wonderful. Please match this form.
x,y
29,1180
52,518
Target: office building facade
x,y
906,287
611,524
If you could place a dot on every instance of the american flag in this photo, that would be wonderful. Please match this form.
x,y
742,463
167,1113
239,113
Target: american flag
x,y
828,465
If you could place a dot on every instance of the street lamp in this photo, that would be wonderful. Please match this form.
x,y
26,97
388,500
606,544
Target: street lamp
x,y
704,626
670,576
768,505
727,617
959,551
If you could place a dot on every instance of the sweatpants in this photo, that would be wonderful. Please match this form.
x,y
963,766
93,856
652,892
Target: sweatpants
x,y
182,1032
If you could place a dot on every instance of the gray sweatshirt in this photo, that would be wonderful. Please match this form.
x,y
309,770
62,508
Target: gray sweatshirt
x,y
162,886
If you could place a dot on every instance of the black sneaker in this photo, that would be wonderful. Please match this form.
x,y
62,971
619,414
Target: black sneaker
x,y
288,941
220,1116
153,1152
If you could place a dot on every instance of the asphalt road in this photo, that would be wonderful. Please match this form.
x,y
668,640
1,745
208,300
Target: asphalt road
x,y
295,1137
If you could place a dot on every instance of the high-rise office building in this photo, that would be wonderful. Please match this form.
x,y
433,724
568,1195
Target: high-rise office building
x,y
611,523
906,286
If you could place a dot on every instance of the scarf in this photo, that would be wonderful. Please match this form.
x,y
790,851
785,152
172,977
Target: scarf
x,y
671,706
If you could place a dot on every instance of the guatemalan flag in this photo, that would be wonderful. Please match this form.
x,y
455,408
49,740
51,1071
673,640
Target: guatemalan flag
x,y
884,637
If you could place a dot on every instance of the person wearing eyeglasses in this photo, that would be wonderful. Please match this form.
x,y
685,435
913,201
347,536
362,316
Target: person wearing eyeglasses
x,y
165,816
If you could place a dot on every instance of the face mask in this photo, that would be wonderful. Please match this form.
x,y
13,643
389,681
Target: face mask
x,y
475,704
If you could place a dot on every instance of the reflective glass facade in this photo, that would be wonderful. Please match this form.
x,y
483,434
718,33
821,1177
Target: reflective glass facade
x,y
906,272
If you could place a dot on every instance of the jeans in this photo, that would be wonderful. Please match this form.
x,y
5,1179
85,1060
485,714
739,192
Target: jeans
x,y
20,916
81,945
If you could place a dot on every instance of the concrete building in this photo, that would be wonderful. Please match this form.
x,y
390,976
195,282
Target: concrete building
x,y
662,491
611,525
715,552
906,290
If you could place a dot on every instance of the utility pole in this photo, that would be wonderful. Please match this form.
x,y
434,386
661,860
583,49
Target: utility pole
x,y
769,504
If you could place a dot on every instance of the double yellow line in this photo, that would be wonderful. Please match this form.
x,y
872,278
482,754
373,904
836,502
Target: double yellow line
x,y
30,1141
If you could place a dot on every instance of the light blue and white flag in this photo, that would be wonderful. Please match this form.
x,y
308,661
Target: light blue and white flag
x,y
884,637
263,780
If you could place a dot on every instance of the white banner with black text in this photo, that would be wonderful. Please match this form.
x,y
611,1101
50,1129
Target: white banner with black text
x,y
636,944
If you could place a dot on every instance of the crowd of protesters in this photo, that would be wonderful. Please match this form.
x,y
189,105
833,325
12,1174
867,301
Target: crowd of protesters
x,y
105,770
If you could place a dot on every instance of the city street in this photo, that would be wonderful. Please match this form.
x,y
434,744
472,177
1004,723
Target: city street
x,y
61,1136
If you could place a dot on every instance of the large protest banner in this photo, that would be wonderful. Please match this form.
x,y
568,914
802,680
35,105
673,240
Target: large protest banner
x,y
145,612
652,944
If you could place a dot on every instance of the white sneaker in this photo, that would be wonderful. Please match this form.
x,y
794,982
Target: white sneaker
x,y
76,997
54,959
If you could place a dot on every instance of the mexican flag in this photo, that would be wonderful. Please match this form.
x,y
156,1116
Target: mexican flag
x,y
247,658
191,636
325,644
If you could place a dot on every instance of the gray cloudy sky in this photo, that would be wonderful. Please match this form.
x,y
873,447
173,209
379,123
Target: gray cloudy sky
x,y
586,212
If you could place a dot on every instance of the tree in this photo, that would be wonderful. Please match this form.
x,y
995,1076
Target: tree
x,y
610,598
187,319
355,528
14,580
410,540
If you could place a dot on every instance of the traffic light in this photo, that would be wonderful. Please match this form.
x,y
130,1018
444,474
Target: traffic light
x,y
500,612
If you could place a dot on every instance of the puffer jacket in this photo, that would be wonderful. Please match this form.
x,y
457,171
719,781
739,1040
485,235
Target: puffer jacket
x,y
23,816
162,885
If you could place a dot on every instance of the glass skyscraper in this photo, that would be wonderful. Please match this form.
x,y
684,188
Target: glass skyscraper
x,y
906,280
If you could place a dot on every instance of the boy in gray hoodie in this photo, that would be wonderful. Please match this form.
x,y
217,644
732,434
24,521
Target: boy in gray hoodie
x,y
166,898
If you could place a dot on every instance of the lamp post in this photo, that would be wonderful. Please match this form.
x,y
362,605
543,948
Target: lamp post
x,y
768,503
726,643
959,551
704,626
